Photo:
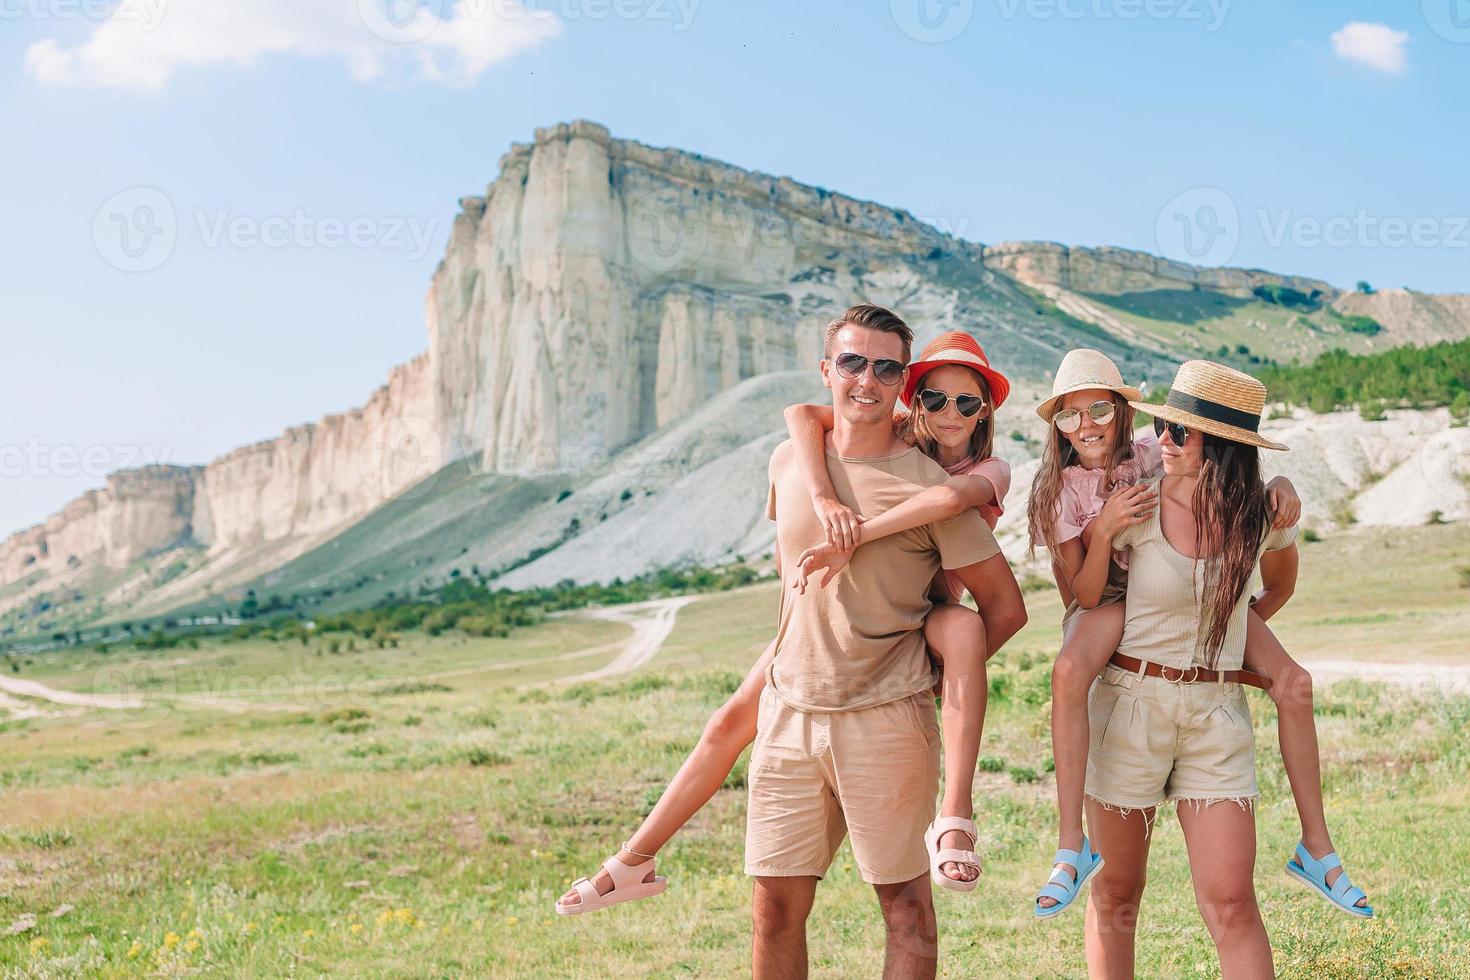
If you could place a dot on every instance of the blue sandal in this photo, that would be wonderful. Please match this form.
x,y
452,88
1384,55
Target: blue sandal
x,y
1342,893
1064,887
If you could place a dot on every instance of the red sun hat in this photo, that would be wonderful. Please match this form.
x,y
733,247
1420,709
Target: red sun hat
x,y
956,347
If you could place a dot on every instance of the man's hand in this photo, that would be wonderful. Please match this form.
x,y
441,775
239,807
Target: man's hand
x,y
839,521
1284,501
827,556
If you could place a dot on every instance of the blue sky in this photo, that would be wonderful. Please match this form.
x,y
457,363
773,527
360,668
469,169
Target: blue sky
x,y
1081,121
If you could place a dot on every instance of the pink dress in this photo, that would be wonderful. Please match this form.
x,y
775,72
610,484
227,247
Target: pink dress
x,y
1083,493
998,472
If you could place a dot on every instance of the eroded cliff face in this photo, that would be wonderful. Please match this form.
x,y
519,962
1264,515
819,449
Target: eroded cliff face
x,y
598,292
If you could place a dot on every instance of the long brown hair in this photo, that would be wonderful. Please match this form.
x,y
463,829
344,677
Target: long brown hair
x,y
1230,522
914,430
1046,488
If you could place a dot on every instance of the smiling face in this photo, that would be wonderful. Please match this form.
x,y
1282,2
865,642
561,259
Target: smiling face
x,y
864,400
949,428
1092,442
1183,460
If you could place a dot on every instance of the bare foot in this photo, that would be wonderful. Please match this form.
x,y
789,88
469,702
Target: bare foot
x,y
954,870
602,881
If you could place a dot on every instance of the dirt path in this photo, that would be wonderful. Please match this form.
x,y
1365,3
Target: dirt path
x,y
652,623
1445,678
35,689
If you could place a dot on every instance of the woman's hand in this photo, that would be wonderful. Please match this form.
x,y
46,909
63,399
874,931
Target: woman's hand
x,y
1125,508
839,521
1284,502
827,556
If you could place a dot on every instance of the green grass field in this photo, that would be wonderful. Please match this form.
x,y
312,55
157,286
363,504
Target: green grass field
x,y
280,809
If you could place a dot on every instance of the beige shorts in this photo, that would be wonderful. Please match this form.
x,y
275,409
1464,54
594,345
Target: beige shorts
x,y
1154,740
816,777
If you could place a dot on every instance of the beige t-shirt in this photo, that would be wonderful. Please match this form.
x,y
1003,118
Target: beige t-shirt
x,y
1165,604
859,642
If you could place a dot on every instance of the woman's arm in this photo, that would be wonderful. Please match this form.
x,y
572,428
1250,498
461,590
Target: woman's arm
x,y
1278,581
808,426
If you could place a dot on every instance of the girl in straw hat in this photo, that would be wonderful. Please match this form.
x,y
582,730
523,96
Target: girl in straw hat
x,y
1090,459
953,392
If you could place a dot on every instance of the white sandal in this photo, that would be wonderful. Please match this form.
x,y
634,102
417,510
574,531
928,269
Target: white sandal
x,y
937,857
628,886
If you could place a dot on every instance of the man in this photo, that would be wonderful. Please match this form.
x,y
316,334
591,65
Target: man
x,y
847,740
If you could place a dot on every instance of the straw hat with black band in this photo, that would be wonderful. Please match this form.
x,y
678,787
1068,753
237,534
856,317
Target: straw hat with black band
x,y
1215,399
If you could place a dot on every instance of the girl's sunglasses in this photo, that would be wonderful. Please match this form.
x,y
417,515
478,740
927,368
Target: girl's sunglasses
x,y
1070,419
851,365
1177,433
934,401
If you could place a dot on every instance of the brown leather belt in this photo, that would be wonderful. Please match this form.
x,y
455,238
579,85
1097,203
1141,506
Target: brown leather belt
x,y
1191,675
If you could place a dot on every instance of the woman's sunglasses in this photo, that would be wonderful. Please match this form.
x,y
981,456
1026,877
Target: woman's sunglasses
x,y
1070,419
1177,433
934,401
851,365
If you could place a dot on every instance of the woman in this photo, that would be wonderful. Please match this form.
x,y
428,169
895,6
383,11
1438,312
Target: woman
x,y
953,392
1169,716
1088,487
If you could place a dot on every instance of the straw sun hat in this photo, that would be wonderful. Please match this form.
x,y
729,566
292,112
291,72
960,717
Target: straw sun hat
x,y
1216,399
1081,369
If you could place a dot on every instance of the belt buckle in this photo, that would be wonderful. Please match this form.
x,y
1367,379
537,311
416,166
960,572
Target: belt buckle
x,y
1189,676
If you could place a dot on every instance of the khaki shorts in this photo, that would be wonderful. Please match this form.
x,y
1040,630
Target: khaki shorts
x,y
816,777
1154,740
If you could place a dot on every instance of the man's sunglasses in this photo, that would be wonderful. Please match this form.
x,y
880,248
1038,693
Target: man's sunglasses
x,y
1070,419
851,365
1177,433
967,405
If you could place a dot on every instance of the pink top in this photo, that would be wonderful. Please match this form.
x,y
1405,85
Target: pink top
x,y
1083,494
998,472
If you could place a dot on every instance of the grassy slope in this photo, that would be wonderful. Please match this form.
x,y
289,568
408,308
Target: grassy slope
x,y
442,823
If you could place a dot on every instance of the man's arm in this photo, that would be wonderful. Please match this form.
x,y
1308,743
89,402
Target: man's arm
x,y
998,598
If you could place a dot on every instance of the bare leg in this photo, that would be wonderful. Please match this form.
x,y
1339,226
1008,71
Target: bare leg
x,y
956,636
729,731
1117,890
1296,732
778,912
912,950
1091,639
1221,838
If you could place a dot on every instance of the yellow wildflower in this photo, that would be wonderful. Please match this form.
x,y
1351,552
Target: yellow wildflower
x,y
195,934
355,928
39,943
405,916
511,920
135,949
191,945
309,934
250,928
171,940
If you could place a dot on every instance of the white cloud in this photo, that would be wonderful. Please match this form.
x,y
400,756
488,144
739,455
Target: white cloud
x,y
144,43
1375,46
